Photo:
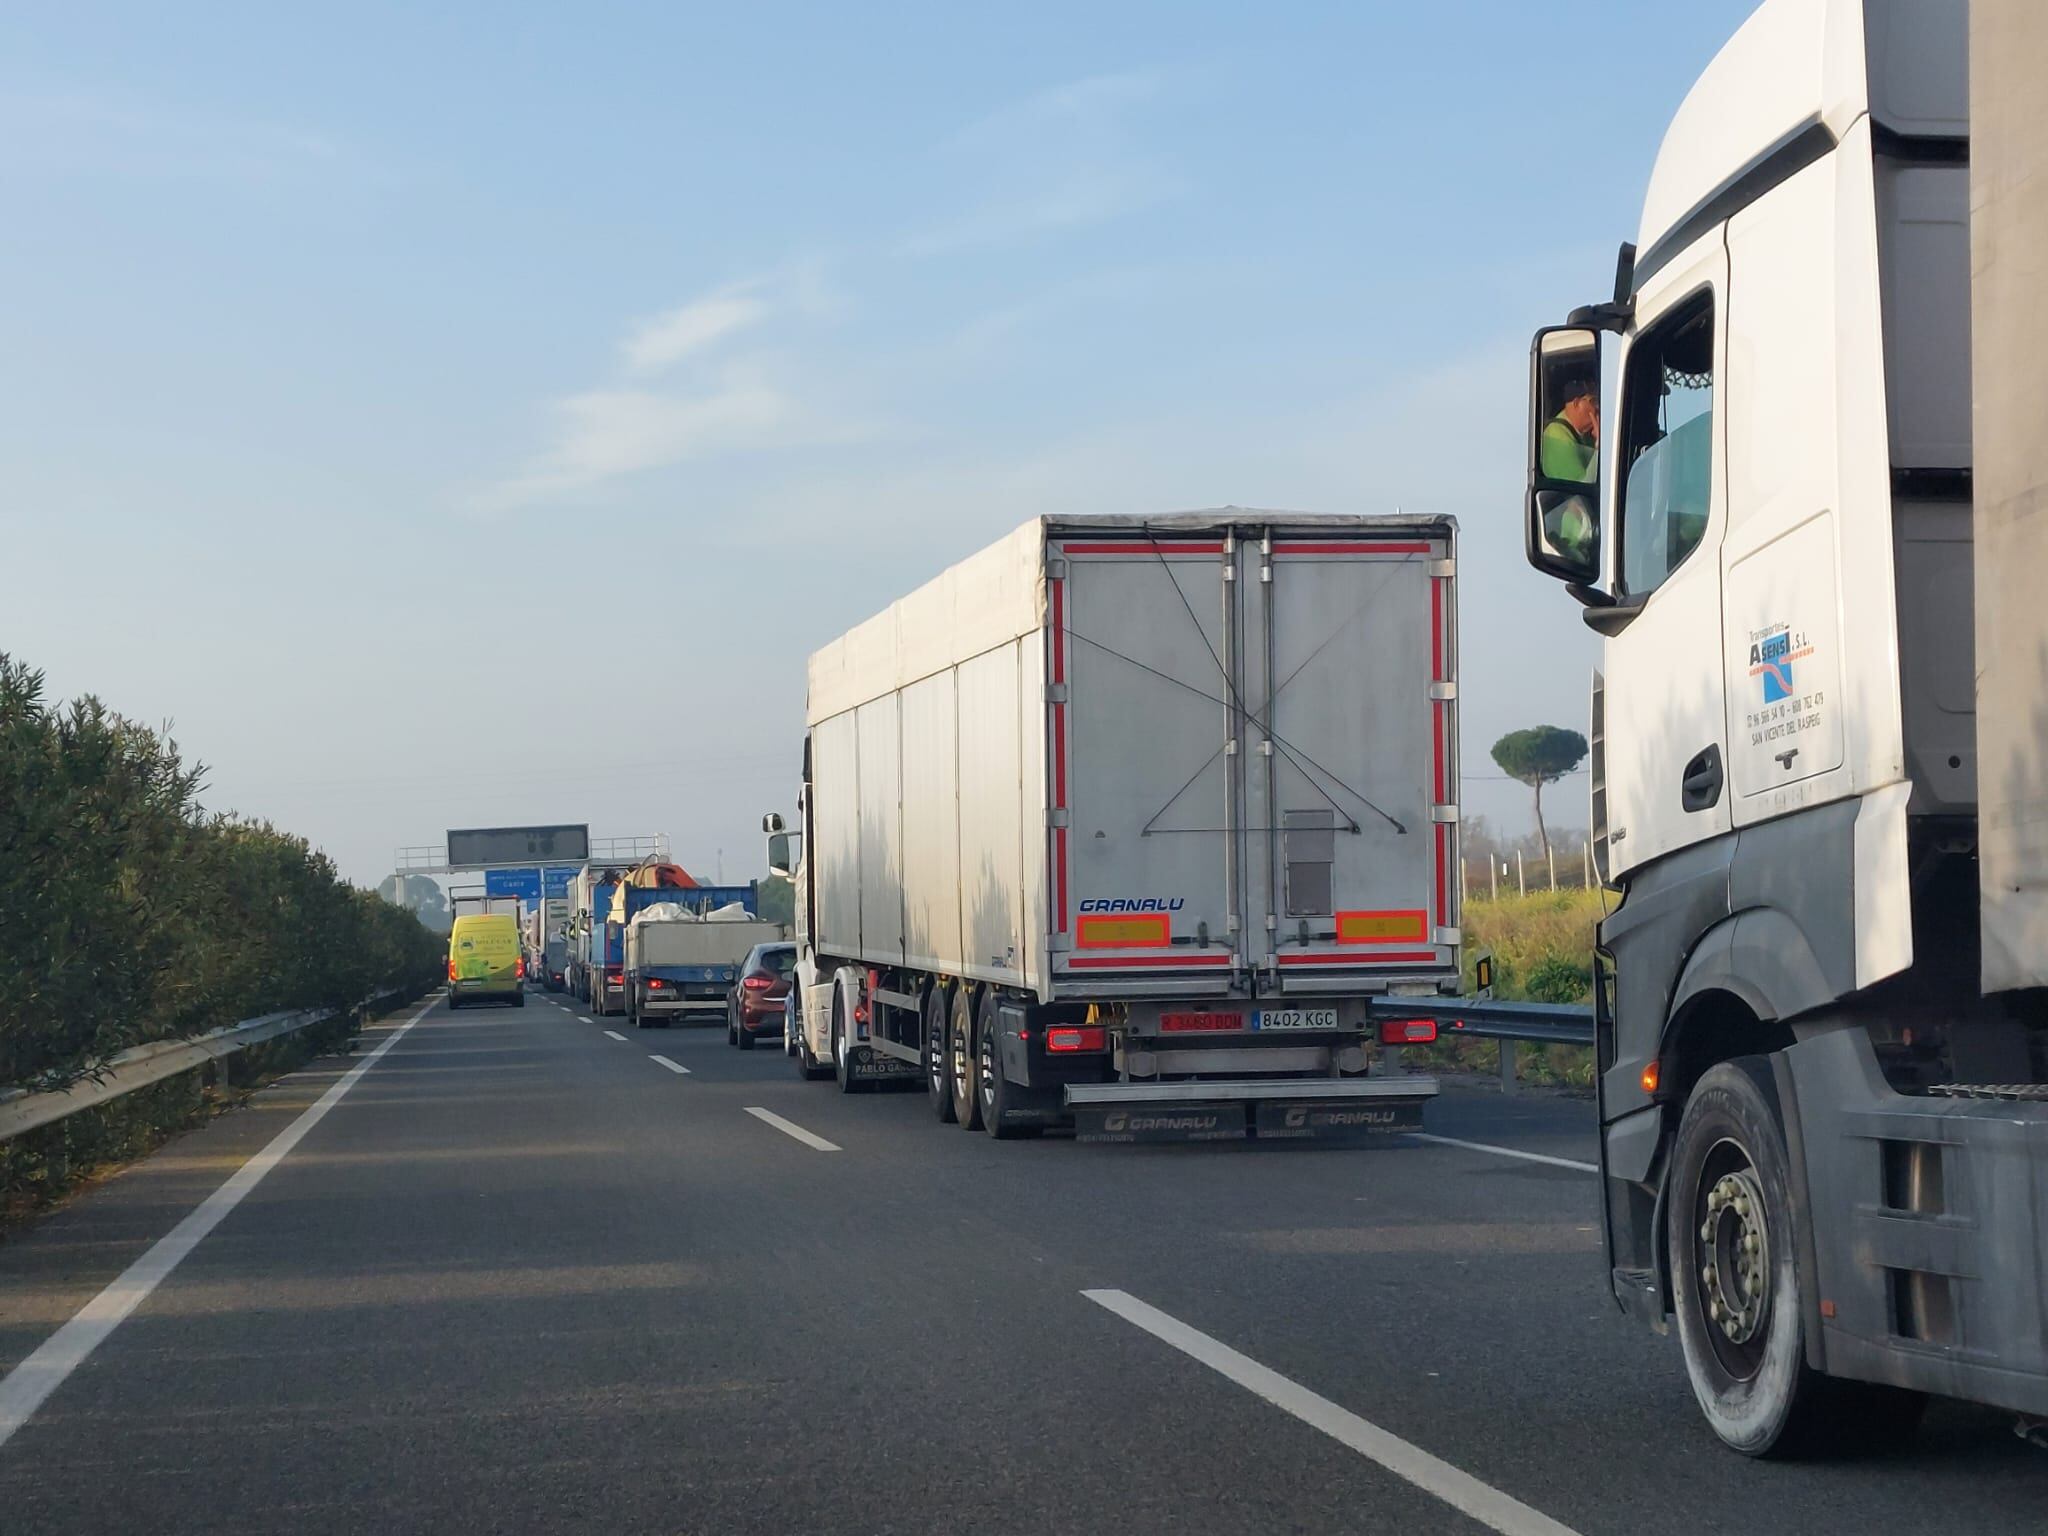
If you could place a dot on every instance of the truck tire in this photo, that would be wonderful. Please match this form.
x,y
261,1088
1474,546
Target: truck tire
x,y
1000,1098
960,1063
842,1045
1737,1289
938,1085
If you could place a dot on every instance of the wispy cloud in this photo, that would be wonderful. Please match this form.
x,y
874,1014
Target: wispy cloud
x,y
733,405
604,434
84,132
661,341
1063,158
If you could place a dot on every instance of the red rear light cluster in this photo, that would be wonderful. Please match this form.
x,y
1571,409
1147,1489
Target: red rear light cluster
x,y
522,967
655,983
1408,1032
1077,1037
451,967
760,981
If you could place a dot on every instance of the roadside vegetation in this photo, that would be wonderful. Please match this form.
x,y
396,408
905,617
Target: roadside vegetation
x,y
1542,948
130,914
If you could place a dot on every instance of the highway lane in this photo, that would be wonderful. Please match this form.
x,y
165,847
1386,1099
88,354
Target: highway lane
x,y
526,1275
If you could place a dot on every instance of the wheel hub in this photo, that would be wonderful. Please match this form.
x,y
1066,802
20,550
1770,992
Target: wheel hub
x,y
1735,1256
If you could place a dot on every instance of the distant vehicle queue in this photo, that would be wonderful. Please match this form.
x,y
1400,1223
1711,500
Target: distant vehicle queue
x,y
645,941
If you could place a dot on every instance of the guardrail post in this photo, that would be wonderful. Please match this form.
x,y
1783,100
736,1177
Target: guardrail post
x,y
1509,1082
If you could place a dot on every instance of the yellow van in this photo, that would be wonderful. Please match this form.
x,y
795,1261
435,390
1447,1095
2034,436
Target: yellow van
x,y
484,960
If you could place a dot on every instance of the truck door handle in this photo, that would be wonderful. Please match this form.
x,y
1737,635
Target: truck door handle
x,y
1702,784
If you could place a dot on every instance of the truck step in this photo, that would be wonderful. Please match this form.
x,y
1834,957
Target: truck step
x,y
2031,1092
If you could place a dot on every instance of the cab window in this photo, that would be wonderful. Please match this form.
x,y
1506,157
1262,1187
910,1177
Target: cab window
x,y
1667,446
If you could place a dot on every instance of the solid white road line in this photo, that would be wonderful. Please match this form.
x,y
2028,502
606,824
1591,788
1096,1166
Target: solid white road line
x,y
612,1034
1527,1157
23,1389
789,1129
673,1066
1462,1491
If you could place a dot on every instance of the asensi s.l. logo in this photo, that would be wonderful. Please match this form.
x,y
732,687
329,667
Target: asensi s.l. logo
x,y
1772,651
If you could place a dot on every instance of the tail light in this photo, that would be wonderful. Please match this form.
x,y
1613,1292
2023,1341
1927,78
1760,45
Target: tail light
x,y
522,967
1077,1037
655,983
760,981
1408,1032
451,967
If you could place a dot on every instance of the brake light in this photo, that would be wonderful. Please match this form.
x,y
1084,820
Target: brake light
x,y
760,981
655,983
522,967
451,967
1077,1037
1408,1032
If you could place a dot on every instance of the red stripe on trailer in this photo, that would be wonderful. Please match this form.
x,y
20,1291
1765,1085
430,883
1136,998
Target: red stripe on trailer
x,y
1288,547
1355,961
1121,962
1059,745
1436,710
1084,547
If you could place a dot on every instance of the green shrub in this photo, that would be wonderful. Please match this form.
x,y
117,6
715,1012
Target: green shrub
x,y
131,914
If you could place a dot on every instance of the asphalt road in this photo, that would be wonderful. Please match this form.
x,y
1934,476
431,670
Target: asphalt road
x,y
523,1276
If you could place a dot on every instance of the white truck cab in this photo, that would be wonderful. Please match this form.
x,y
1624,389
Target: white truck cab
x,y
1755,467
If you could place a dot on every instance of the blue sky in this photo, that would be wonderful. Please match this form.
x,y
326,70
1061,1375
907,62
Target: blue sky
x,y
363,365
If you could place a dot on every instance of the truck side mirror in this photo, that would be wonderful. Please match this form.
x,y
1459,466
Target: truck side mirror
x,y
1562,533
780,857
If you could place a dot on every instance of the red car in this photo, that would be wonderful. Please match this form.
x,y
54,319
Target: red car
x,y
754,1005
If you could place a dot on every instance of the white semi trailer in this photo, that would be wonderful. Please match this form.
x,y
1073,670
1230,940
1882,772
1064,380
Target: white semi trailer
x,y
1811,541
1123,823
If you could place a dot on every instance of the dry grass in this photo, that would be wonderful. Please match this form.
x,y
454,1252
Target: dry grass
x,y
1542,948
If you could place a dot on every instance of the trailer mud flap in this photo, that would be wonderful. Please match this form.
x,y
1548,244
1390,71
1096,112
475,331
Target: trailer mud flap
x,y
1278,1120
867,1065
1160,1122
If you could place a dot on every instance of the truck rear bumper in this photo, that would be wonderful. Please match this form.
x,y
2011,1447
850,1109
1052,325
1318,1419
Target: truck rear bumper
x,y
1265,1109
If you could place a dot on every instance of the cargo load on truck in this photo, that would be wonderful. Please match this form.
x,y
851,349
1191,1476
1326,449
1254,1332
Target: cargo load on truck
x,y
1123,822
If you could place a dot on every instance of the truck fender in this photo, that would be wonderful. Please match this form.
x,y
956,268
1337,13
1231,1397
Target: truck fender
x,y
1760,956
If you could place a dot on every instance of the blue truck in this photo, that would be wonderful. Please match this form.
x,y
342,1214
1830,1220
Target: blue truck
x,y
596,963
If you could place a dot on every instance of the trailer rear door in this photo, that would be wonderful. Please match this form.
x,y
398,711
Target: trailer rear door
x,y
1147,805
1350,783
1253,743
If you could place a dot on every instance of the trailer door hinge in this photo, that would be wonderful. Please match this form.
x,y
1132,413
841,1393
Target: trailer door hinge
x,y
1055,693
1056,567
1265,748
1448,566
1230,747
1444,813
1058,816
1443,691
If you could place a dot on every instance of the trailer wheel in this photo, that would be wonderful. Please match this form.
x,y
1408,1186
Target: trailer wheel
x,y
1738,1292
938,1083
960,1067
842,1045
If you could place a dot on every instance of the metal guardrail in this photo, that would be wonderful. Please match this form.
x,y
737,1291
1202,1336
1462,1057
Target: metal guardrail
x,y
1485,1018
25,1109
